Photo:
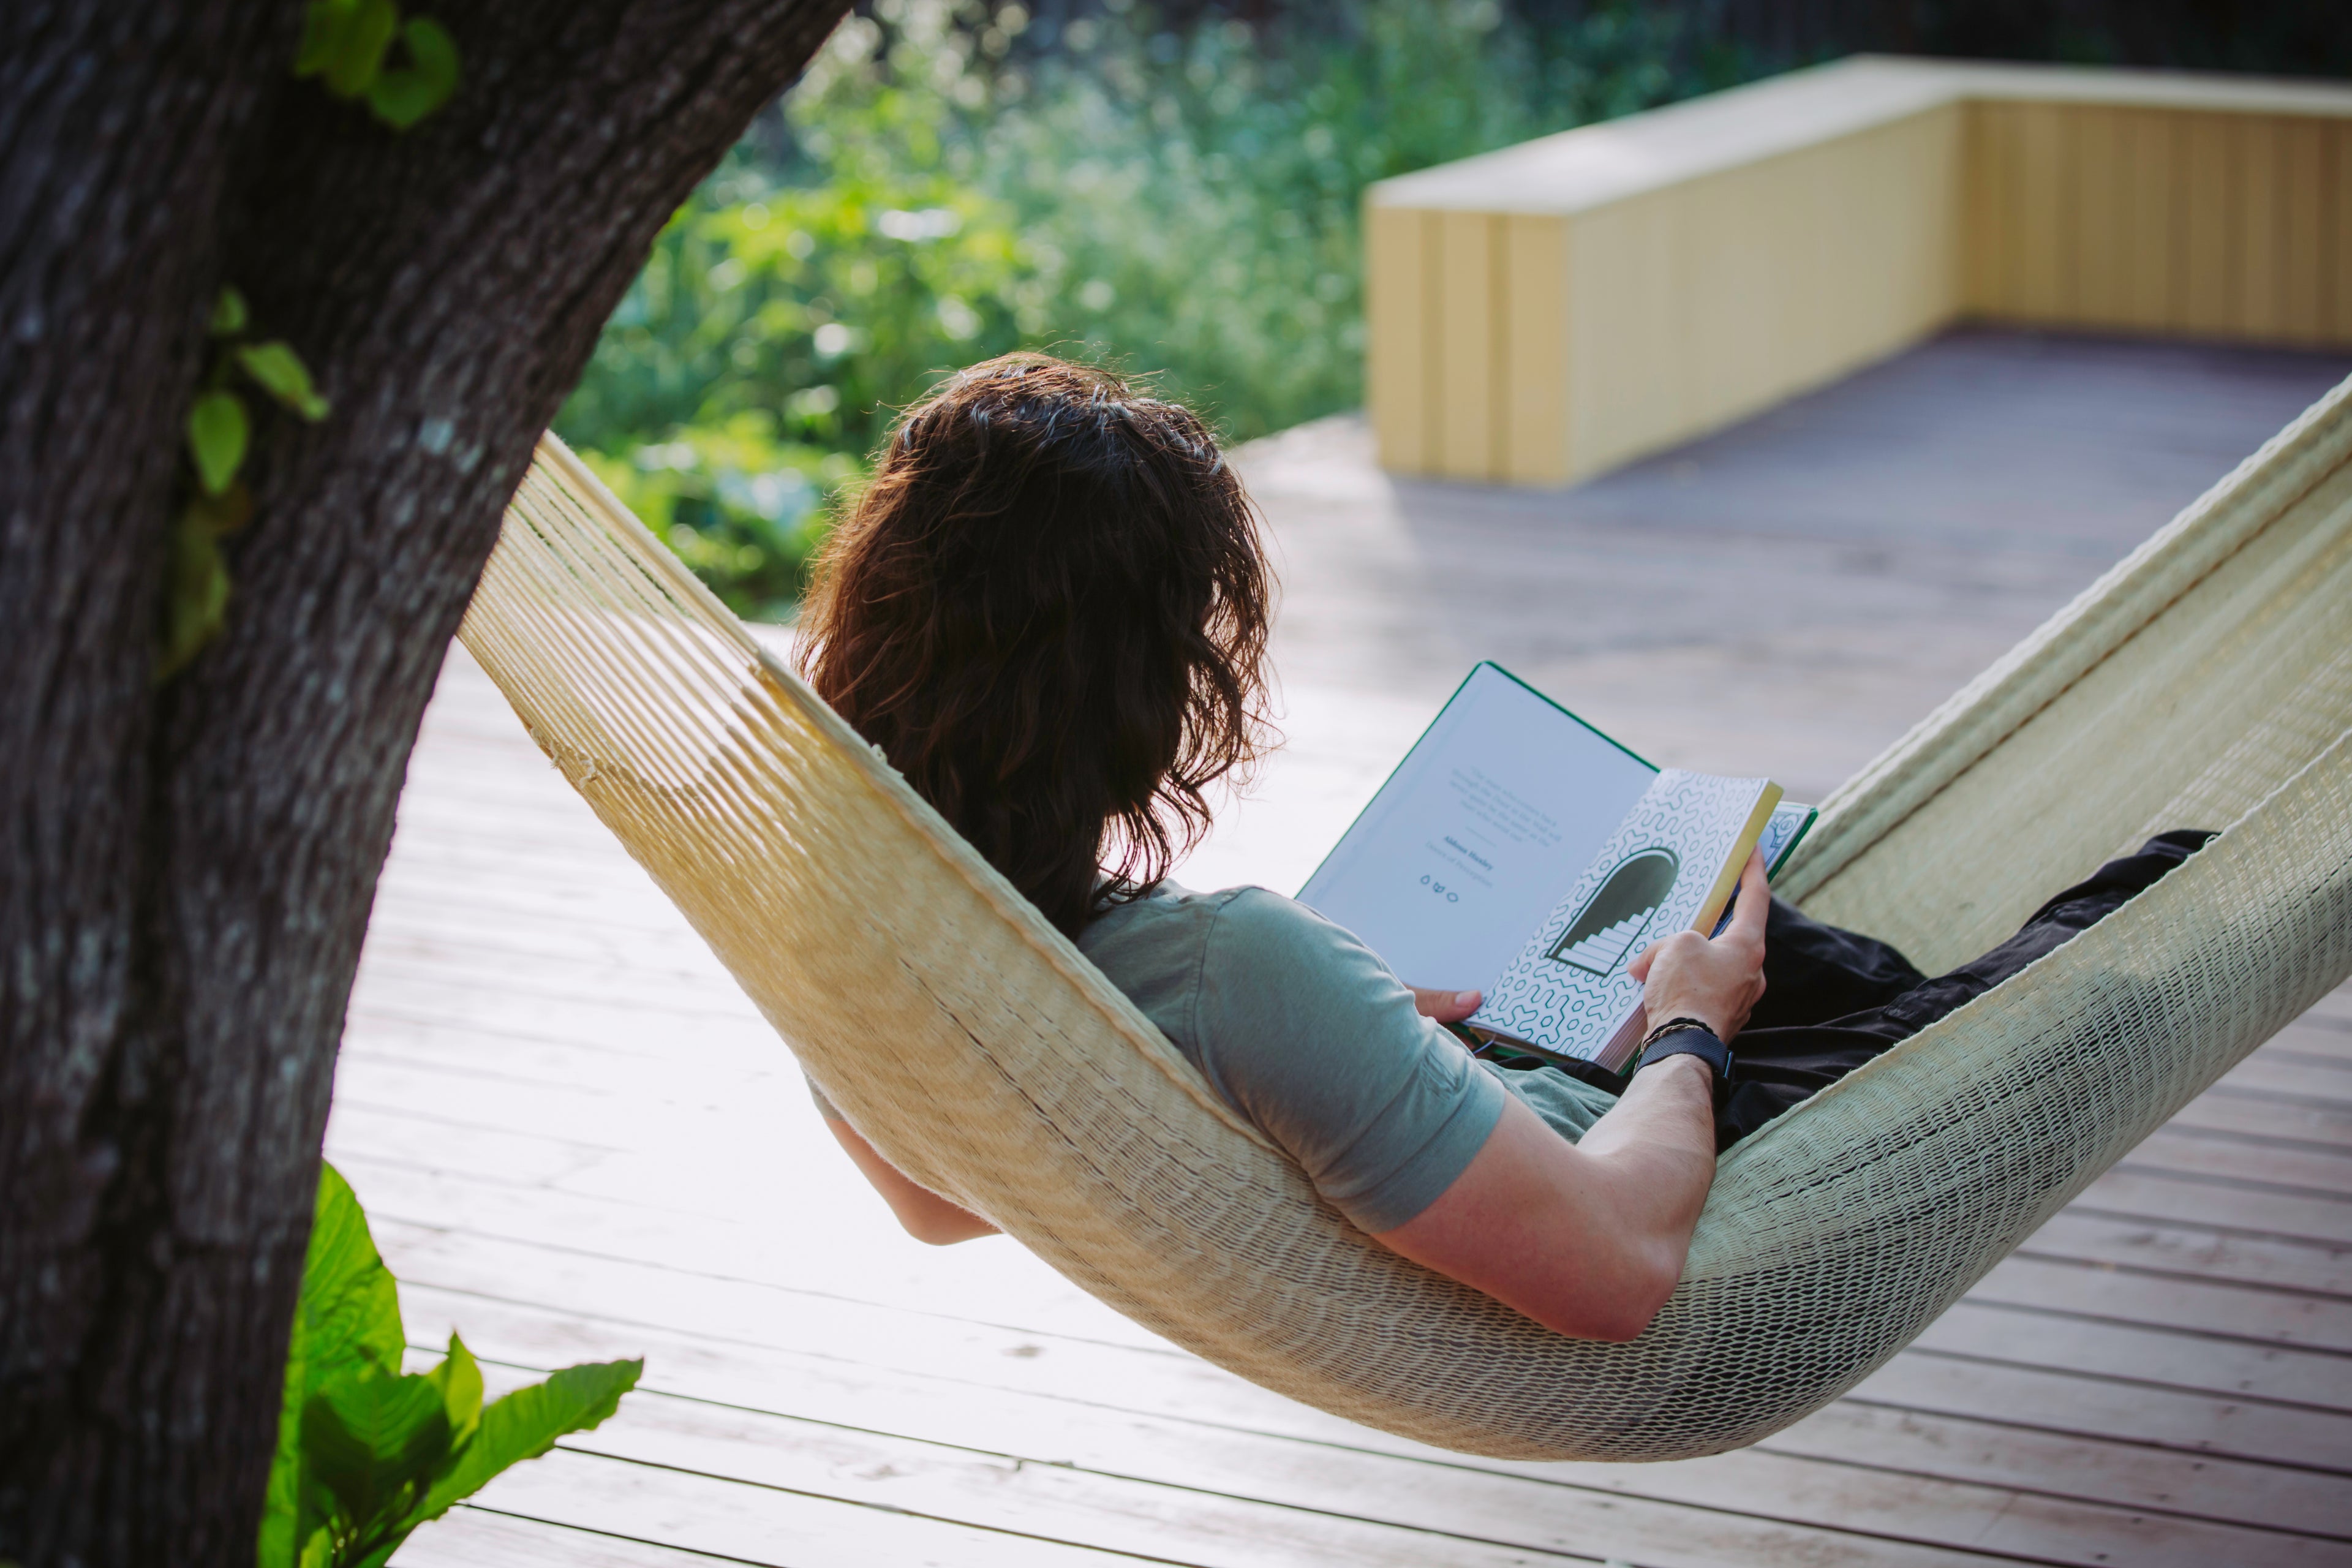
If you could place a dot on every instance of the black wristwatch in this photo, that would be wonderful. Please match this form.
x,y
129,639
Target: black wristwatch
x,y
1689,1036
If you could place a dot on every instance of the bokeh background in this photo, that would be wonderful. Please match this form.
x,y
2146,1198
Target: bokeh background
x,y
1172,190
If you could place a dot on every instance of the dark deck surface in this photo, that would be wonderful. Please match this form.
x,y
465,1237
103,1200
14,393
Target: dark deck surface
x,y
578,1142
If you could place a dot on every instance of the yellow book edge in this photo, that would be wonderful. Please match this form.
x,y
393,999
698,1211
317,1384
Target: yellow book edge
x,y
1628,1039
1726,880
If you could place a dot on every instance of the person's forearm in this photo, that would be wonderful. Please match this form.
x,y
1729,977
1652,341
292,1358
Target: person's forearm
x,y
1588,1238
923,1214
1591,1238
1666,1119
1656,1150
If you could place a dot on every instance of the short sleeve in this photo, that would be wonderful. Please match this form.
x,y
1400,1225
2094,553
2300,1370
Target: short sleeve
x,y
1302,1029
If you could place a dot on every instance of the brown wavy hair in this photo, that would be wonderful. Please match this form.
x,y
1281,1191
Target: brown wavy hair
x,y
1049,608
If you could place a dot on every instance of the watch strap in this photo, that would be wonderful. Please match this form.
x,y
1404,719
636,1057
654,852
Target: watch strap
x,y
1688,1036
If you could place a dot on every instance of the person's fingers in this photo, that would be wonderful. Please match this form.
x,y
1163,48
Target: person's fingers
x,y
1445,1006
1640,968
1755,904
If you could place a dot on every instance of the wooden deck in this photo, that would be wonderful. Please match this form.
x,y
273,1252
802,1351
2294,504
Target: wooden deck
x,y
578,1142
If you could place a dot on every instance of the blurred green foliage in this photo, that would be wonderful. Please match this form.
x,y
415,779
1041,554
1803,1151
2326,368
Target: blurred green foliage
x,y
947,182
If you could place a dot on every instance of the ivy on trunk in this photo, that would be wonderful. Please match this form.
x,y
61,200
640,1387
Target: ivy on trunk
x,y
186,868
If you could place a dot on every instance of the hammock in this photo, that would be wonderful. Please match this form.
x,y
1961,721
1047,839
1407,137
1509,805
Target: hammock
x,y
2206,680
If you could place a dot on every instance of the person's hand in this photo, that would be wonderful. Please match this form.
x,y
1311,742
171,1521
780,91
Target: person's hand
x,y
1445,1006
1718,982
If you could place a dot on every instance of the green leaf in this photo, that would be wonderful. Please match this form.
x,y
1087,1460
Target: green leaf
x,y
195,597
357,53
460,1382
526,1424
280,372
218,433
322,29
229,314
402,95
349,1299
373,1439
347,1318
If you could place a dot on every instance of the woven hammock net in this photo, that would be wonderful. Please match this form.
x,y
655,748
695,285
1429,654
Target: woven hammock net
x,y
2206,680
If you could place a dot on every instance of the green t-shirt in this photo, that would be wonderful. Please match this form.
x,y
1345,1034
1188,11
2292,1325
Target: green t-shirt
x,y
1304,1031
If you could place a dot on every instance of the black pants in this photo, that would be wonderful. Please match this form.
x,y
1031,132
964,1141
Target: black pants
x,y
1833,999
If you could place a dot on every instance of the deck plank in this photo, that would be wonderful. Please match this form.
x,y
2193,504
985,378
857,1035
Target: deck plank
x,y
471,1537
578,1139
591,1494
1541,1506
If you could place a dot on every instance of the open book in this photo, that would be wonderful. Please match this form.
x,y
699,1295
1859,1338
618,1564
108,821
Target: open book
x,y
1518,851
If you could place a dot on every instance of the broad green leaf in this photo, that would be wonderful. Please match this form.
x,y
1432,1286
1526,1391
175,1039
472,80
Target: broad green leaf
x,y
526,1424
373,1438
402,95
349,1299
365,1453
460,1382
281,374
195,597
323,23
229,314
358,50
348,1316
218,433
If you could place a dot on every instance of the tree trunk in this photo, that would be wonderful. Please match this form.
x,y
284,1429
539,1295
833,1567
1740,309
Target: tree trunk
x,y
186,869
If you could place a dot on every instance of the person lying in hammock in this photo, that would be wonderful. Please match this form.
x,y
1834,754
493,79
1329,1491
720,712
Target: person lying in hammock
x,y
1050,611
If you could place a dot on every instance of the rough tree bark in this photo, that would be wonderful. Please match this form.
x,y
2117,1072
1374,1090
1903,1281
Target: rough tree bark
x,y
186,871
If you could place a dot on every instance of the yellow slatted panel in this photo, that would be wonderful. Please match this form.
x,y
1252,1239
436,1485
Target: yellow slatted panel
x,y
2337,276
1624,392
2302,218
1744,300
1698,304
1925,162
1994,152
1576,307
1534,322
2148,247
2043,198
1466,317
2261,216
2210,219
1398,328
2097,218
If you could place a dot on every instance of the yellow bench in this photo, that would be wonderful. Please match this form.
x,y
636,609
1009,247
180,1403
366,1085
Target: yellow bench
x,y
1543,312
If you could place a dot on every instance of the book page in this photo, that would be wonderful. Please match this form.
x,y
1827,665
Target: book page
x,y
1494,812
1568,992
1791,820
